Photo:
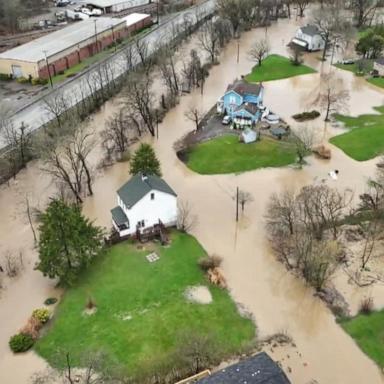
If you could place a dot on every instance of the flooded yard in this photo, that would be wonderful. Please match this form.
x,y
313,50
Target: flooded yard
x,y
277,300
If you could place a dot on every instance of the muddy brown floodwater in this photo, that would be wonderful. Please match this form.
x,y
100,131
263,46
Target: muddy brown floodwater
x,y
277,300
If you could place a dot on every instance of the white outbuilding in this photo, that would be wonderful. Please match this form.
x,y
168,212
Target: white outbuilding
x,y
309,38
143,202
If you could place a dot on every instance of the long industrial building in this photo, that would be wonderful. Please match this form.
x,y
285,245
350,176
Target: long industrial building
x,y
113,6
65,48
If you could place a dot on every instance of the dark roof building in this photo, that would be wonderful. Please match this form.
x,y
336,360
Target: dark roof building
x,y
259,369
139,185
310,30
242,88
380,61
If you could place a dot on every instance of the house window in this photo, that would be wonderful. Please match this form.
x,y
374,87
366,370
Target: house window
x,y
232,100
152,196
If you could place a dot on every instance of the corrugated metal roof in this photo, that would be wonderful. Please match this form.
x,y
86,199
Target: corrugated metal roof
x,y
136,188
61,40
110,3
134,18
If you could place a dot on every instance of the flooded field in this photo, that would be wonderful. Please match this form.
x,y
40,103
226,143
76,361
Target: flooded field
x,y
277,300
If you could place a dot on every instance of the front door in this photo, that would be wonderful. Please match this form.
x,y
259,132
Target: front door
x,y
16,71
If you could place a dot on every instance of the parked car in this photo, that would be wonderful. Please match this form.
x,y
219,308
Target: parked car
x,y
226,120
62,3
272,118
348,61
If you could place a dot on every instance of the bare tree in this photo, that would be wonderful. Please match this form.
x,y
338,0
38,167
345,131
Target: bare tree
x,y
115,135
364,11
166,62
19,139
186,220
30,220
209,40
296,54
302,5
331,97
141,50
244,197
139,99
230,10
259,51
94,370
56,104
195,115
282,212
304,140
371,231
13,264
68,163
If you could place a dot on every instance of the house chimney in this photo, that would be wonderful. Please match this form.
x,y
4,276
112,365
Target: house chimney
x,y
143,177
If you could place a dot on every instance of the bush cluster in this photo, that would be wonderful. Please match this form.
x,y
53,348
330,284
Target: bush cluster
x,y
41,314
22,80
306,115
5,77
21,342
210,262
37,81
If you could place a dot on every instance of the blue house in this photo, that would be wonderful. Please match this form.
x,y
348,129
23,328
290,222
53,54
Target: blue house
x,y
242,102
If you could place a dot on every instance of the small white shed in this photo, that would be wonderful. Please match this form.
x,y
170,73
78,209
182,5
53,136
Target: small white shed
x,y
249,135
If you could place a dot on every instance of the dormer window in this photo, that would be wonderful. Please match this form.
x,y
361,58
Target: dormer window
x,y
152,196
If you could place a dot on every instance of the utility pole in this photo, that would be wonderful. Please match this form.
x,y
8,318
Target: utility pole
x,y
237,204
113,37
157,126
96,42
49,72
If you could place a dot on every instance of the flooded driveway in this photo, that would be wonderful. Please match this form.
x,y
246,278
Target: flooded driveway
x,y
277,301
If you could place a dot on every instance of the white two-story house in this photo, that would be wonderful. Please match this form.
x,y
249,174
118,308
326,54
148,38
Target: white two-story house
x,y
310,38
142,202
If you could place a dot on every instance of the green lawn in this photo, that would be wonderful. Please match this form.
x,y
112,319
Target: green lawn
x,y
276,67
365,139
123,283
378,81
368,332
226,155
368,66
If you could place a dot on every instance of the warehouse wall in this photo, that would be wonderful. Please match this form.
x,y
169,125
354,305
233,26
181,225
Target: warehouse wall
x,y
26,67
104,40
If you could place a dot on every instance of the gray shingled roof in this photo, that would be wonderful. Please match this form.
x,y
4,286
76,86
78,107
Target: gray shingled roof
x,y
118,215
259,369
249,107
310,30
242,88
137,187
380,61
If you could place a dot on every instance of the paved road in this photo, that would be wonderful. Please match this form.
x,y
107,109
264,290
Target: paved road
x,y
74,90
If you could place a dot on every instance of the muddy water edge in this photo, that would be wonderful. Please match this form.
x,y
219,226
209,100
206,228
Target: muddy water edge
x,y
277,300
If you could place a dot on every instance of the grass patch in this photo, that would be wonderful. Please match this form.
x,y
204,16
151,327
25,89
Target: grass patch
x,y
276,67
378,81
226,155
123,283
368,332
365,140
358,70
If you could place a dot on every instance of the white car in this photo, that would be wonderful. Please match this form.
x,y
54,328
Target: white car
x,y
226,120
272,118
